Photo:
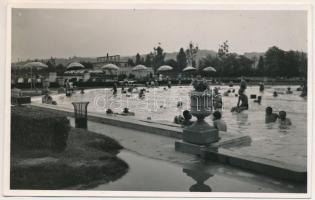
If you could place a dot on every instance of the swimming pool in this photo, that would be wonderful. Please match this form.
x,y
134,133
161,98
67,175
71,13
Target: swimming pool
x,y
269,141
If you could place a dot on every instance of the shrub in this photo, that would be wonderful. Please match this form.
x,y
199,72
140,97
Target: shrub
x,y
35,128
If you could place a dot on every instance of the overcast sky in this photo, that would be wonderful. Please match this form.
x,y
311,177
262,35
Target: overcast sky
x,y
41,33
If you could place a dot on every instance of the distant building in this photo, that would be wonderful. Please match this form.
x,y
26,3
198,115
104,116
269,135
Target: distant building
x,y
115,59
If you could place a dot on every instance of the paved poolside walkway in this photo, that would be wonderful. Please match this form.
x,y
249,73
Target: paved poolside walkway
x,y
146,144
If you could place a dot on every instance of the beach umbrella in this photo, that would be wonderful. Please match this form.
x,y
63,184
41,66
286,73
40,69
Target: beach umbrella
x,y
189,68
164,68
75,65
110,67
36,65
209,69
139,68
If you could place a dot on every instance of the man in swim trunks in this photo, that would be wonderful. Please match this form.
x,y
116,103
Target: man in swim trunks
x,y
242,103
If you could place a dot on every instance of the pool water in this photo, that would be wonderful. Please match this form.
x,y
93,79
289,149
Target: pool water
x,y
269,140
146,174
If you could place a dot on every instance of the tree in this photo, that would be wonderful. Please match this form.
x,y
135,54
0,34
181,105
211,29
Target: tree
x,y
138,59
261,66
303,64
181,59
60,69
224,60
172,63
158,58
291,62
191,53
142,61
223,50
148,60
274,62
51,66
210,61
245,66
130,62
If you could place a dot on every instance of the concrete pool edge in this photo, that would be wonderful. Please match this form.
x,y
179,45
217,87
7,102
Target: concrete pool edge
x,y
272,168
267,167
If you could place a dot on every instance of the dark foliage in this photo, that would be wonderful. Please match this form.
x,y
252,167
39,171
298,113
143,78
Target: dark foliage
x,y
35,129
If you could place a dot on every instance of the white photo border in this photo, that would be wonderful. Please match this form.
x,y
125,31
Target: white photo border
x,y
188,5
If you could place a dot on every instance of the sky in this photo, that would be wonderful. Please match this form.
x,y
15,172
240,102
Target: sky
x,y
62,33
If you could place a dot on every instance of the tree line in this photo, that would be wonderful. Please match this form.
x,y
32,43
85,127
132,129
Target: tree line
x,y
275,62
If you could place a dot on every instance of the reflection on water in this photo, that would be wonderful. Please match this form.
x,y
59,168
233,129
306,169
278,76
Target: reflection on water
x,y
242,120
146,174
200,177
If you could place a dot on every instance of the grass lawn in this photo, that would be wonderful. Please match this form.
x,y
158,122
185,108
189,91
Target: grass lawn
x,y
89,159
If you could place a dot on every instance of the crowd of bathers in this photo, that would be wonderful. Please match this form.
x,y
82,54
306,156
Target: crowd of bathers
x,y
242,104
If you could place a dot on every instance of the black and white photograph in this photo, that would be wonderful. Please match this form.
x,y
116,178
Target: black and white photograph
x,y
194,101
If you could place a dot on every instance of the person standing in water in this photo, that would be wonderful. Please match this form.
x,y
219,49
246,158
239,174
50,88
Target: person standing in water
x,y
304,89
115,89
123,88
169,84
243,84
261,87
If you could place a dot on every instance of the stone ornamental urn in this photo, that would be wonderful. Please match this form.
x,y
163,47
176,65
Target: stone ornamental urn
x,y
200,132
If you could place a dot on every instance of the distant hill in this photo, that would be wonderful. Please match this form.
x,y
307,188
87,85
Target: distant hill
x,y
202,53
66,61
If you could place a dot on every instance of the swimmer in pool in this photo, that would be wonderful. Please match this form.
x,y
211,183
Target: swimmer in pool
x,y
289,90
126,112
242,103
283,120
179,104
187,118
217,99
270,116
218,123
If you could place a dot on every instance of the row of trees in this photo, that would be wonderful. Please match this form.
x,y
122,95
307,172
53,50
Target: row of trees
x,y
274,63
156,58
278,62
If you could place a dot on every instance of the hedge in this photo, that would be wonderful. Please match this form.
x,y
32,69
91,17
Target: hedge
x,y
35,128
